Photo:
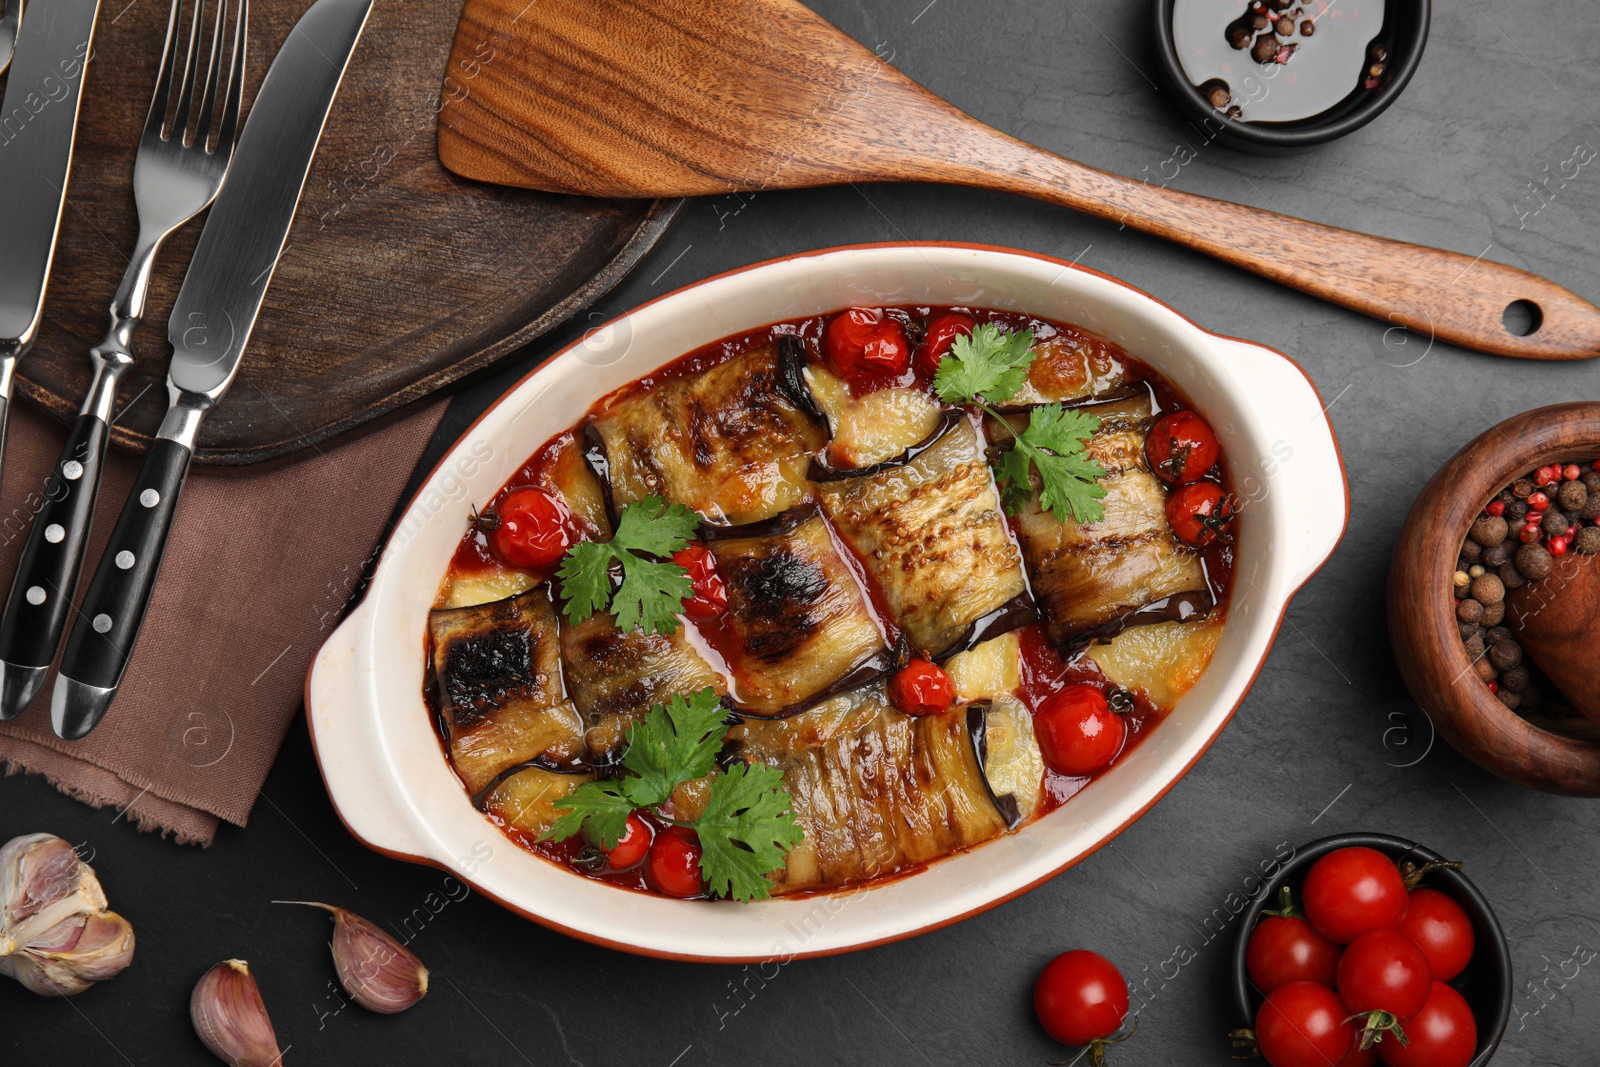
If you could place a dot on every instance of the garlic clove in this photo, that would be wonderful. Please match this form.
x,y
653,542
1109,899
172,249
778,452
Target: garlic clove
x,y
56,937
231,1019
378,972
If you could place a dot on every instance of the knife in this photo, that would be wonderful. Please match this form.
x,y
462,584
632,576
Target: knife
x,y
38,125
210,326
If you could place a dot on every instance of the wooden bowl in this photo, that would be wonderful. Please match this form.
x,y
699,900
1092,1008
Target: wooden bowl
x,y
1423,628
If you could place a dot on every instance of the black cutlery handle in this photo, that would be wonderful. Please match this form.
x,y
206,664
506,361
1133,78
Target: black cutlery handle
x,y
41,593
108,621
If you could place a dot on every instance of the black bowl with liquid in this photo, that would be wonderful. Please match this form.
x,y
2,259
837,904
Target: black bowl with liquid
x,y
1486,981
1342,101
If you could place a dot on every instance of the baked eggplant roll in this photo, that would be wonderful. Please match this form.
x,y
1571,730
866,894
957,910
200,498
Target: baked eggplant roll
x,y
798,627
732,442
1091,578
875,789
931,534
615,677
1071,365
523,798
497,686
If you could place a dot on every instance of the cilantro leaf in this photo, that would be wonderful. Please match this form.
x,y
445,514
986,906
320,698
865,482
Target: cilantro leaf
x,y
652,591
746,830
599,809
990,365
1053,444
677,742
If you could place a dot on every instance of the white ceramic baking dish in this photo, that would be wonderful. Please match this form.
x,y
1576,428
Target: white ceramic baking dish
x,y
375,739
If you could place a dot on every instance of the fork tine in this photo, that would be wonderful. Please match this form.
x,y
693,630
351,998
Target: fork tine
x,y
158,102
208,101
180,123
230,106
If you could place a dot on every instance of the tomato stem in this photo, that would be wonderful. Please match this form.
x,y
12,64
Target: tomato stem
x,y
487,521
1285,908
1378,1023
1097,1048
1245,1039
1413,874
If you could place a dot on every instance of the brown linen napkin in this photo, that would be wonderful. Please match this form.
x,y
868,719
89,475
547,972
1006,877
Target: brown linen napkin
x,y
260,565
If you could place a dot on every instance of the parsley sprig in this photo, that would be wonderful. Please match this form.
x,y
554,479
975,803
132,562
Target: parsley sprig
x,y
748,824
988,368
652,591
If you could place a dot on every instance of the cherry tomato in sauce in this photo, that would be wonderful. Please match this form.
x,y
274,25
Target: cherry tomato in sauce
x,y
1078,732
1439,926
1286,949
631,846
1352,891
1383,971
942,331
1304,1024
530,530
710,597
673,866
1181,448
865,343
1442,1034
1200,513
922,688
1080,998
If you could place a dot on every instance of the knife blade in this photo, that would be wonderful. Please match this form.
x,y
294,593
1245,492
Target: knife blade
x,y
38,126
211,323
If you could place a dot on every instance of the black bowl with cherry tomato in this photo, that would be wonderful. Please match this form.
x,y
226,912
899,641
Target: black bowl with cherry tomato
x,y
1360,899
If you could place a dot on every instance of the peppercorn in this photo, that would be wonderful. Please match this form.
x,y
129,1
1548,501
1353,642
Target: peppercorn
x,y
1307,27
1522,488
1505,654
1284,27
1515,512
1474,646
1590,480
1469,630
1266,49
1462,579
1533,561
1487,589
1555,524
1510,577
1516,679
1469,610
1259,23
1219,96
1498,633
1587,543
1239,37
1509,699
1489,530
1591,509
1573,495
1471,552
1378,53
1493,614
1485,670
1493,557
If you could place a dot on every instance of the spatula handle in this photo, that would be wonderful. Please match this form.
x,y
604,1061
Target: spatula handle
x,y
1433,293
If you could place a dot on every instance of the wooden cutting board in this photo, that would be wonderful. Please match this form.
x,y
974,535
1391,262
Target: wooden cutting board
x,y
399,278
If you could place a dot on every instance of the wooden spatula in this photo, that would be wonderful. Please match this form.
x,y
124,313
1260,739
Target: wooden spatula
x,y
654,98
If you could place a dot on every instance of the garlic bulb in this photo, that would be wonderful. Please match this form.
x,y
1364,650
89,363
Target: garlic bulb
x,y
56,936
378,972
231,1019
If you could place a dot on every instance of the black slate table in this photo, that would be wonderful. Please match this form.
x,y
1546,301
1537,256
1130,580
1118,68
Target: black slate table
x,y
1505,94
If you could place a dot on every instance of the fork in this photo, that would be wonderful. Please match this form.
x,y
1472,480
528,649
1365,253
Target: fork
x,y
176,175
8,32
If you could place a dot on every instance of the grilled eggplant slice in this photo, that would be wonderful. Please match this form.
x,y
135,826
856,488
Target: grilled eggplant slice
x,y
731,442
1072,365
930,532
798,627
870,429
523,798
615,677
497,686
1090,578
875,789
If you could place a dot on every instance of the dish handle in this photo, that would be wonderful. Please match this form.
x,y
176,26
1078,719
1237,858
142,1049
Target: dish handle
x,y
346,738
1302,462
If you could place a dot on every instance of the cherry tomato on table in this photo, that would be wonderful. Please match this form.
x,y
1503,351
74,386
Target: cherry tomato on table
x,y
1081,998
1077,730
673,866
710,597
1441,929
922,688
1304,1024
942,331
1200,513
1285,948
1181,448
530,529
1442,1034
1382,971
864,342
1352,891
631,846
